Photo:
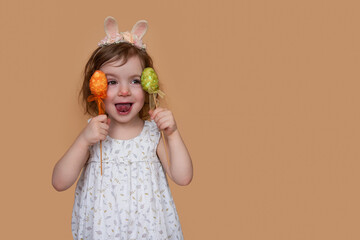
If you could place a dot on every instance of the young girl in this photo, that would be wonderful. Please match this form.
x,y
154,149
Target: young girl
x,y
131,199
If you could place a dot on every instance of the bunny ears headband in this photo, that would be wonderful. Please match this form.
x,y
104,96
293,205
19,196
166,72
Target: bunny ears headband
x,y
113,36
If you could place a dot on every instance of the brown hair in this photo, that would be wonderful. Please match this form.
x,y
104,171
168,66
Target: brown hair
x,y
111,53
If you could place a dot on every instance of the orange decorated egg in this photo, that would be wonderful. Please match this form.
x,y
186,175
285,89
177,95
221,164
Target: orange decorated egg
x,y
98,84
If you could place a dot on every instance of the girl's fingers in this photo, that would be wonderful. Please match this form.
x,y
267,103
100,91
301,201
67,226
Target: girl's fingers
x,y
156,112
101,118
102,135
164,125
103,132
104,126
161,115
163,120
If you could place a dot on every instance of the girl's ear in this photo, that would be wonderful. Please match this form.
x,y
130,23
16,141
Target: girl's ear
x,y
111,27
140,28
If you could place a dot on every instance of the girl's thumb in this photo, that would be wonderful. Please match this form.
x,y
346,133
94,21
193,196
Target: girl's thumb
x,y
108,121
101,117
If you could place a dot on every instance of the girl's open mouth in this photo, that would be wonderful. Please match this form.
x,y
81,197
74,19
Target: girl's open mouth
x,y
123,108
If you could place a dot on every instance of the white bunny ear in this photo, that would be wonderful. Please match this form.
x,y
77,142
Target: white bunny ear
x,y
111,27
140,28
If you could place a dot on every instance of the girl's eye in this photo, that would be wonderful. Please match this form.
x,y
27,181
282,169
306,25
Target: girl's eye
x,y
111,82
136,81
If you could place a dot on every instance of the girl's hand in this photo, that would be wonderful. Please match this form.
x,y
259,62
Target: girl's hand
x,y
96,130
164,119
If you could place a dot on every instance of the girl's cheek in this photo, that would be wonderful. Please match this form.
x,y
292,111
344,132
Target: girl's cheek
x,y
111,91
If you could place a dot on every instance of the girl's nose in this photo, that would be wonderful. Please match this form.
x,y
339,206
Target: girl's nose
x,y
124,91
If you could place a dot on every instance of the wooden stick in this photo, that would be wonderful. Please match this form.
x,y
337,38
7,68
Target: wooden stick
x,y
162,134
101,111
101,156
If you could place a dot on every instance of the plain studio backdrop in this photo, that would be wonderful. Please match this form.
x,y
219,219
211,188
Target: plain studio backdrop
x,y
265,94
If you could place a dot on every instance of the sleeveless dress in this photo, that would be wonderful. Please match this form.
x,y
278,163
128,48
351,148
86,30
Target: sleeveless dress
x,y
132,199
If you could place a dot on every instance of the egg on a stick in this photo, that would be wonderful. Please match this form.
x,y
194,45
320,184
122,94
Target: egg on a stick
x,y
98,87
150,83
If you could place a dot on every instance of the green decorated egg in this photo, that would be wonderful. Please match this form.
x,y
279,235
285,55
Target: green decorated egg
x,y
149,80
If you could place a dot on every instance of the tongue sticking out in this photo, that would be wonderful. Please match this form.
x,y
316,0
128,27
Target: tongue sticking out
x,y
123,107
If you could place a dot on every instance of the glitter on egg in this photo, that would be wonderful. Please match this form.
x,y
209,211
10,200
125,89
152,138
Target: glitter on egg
x,y
98,87
149,81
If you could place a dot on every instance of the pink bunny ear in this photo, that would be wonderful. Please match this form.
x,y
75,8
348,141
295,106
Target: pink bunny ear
x,y
140,29
111,27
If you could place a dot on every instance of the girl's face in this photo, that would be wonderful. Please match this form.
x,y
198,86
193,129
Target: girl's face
x,y
125,96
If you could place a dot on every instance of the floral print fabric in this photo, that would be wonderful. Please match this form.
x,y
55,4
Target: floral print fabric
x,y
132,199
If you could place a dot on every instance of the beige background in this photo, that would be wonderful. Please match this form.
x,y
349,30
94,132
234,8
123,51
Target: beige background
x,y
265,93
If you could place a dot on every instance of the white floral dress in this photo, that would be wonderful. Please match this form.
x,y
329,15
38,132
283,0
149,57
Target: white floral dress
x,y
132,199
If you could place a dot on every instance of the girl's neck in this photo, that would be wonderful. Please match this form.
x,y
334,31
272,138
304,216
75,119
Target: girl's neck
x,y
125,131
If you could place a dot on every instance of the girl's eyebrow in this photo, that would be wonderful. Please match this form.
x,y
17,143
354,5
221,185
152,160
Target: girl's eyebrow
x,y
110,75
114,75
135,75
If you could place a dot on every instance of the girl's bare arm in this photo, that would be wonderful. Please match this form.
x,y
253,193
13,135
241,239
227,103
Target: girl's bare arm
x,y
180,169
68,168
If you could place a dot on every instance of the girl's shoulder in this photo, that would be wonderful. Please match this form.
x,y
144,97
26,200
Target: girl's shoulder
x,y
152,130
151,125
